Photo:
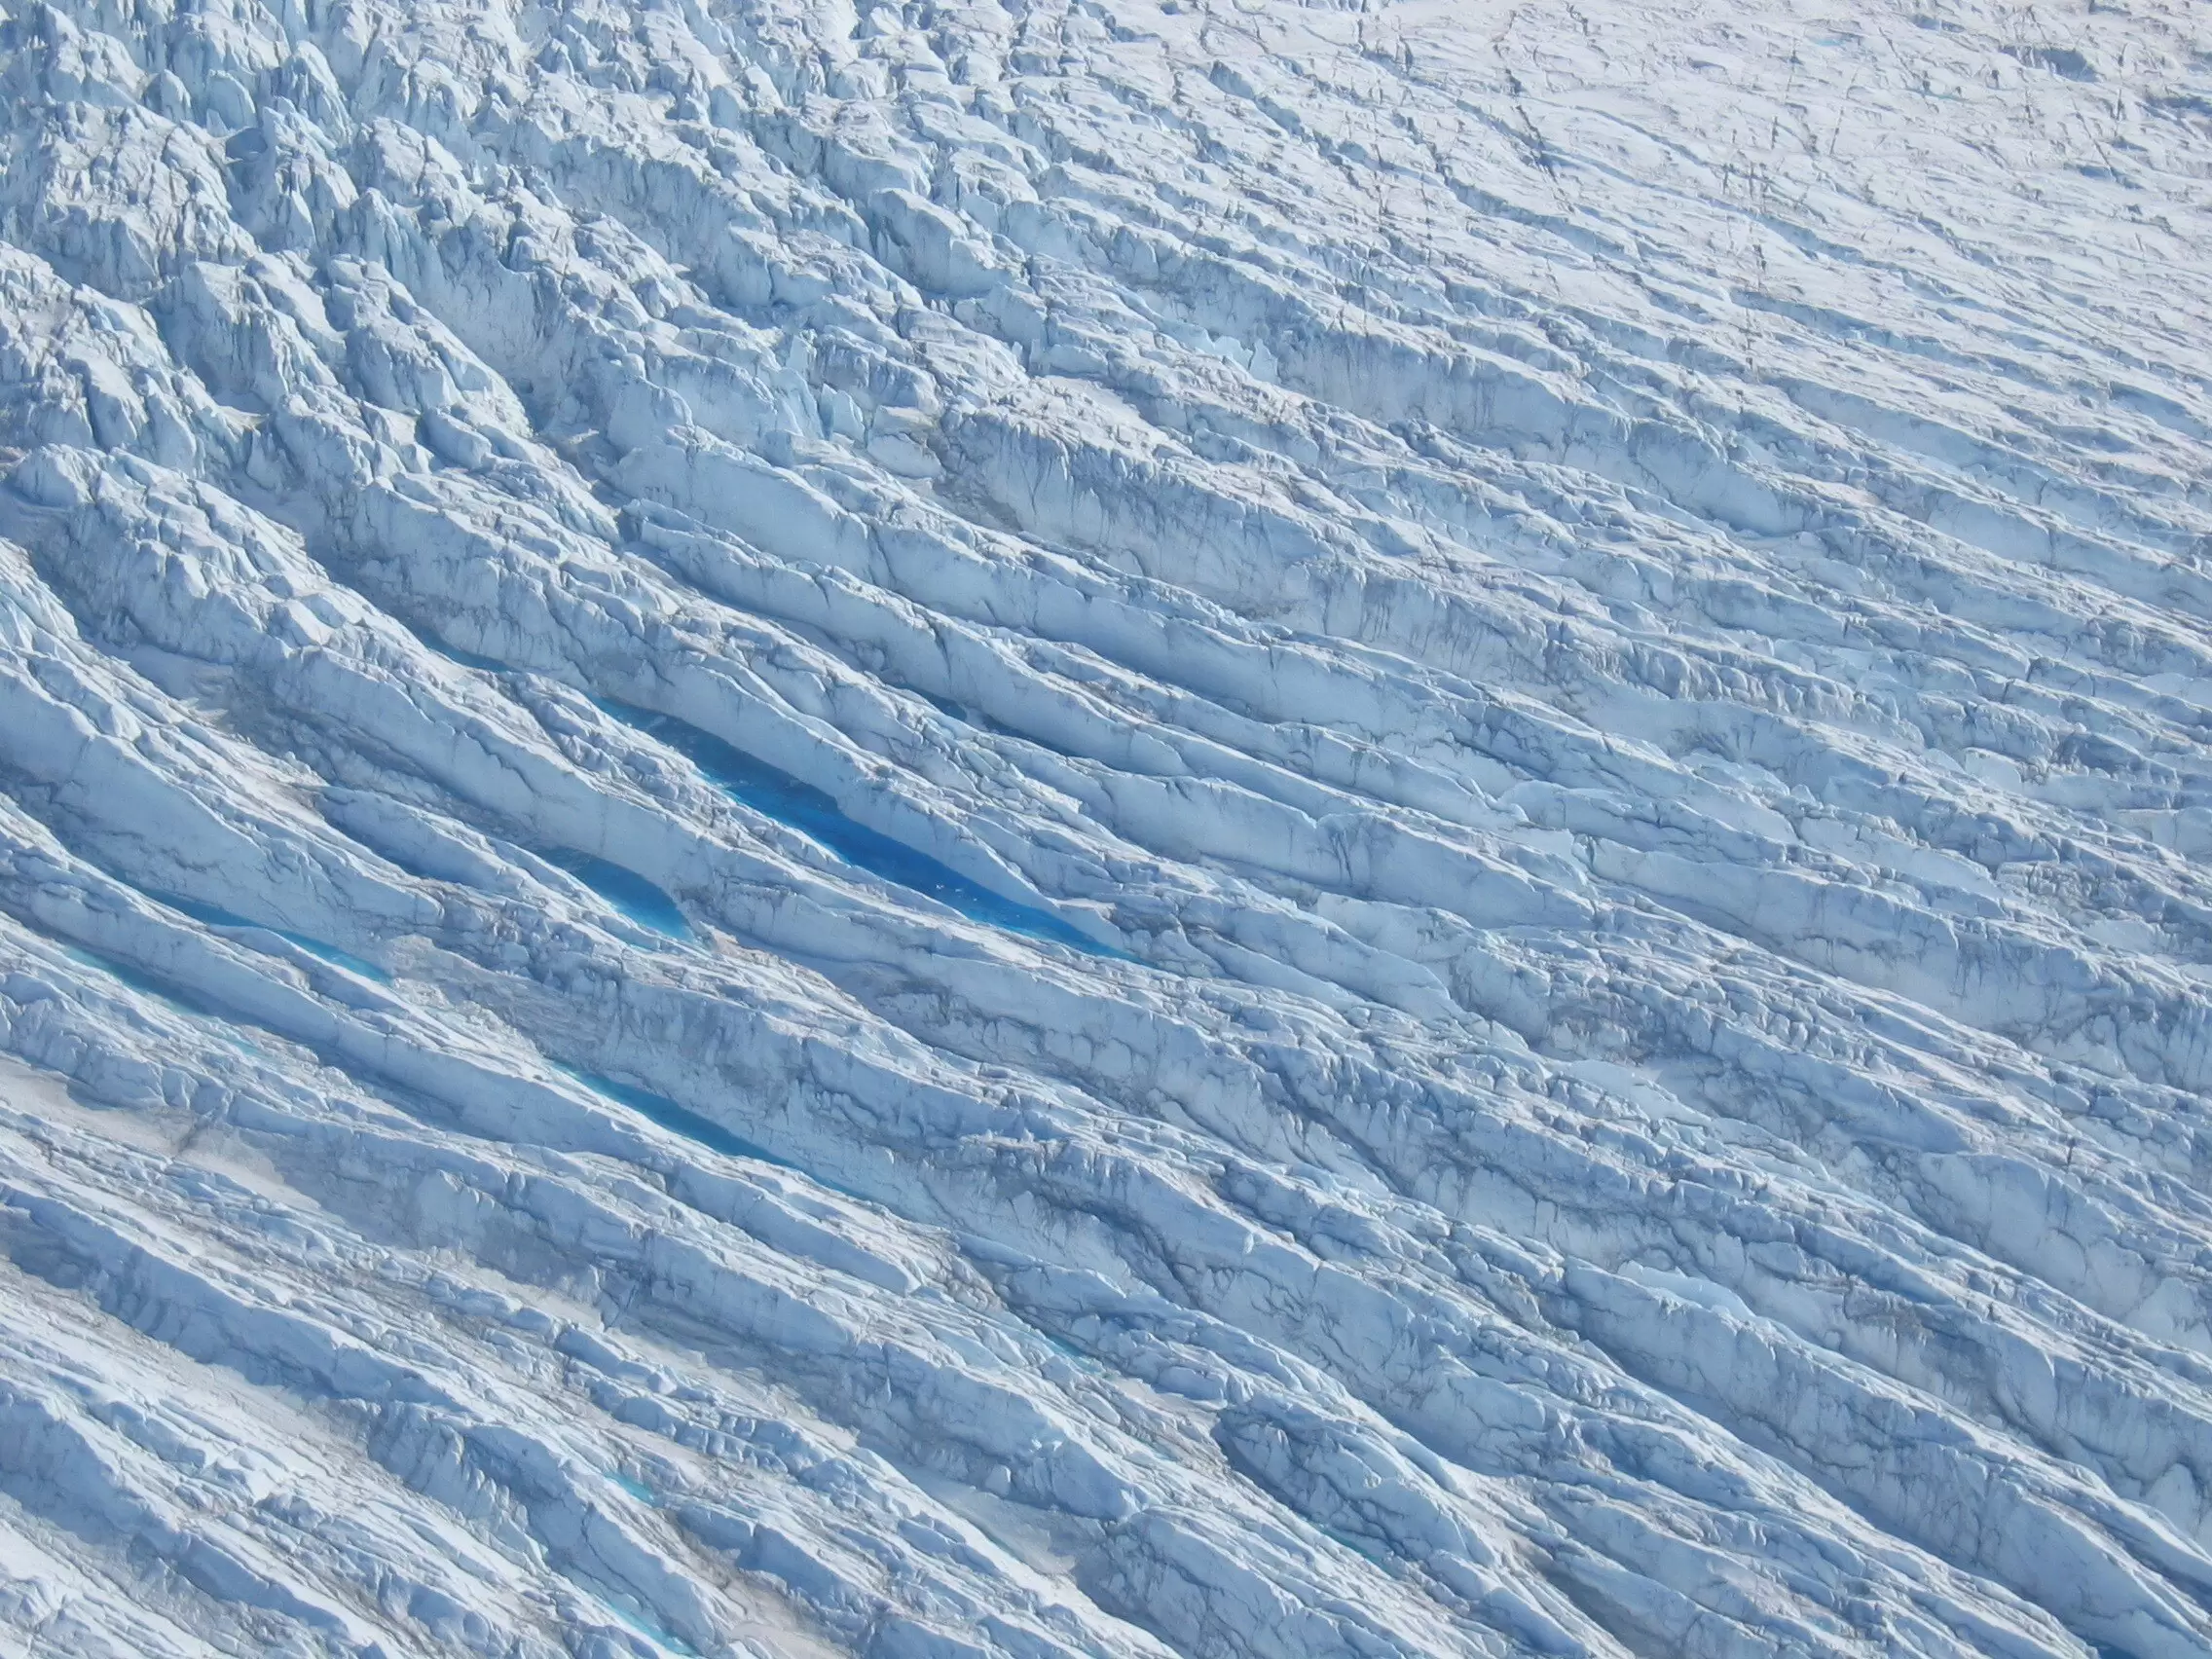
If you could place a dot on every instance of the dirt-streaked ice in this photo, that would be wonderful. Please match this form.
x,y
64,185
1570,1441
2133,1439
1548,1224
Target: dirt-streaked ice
x,y
1045,828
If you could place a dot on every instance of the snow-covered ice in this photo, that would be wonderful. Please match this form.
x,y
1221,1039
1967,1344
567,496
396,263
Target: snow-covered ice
x,y
1013,829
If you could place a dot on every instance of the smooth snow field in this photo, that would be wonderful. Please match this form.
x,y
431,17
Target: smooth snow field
x,y
1014,829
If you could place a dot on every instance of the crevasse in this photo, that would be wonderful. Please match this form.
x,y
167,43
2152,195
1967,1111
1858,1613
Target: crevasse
x,y
1011,829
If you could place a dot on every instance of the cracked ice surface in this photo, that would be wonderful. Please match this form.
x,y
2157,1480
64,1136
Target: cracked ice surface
x,y
1105,828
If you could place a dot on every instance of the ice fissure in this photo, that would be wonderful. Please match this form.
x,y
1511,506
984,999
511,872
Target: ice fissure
x,y
1011,829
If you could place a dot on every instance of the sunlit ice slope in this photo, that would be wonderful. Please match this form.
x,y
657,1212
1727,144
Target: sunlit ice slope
x,y
1121,828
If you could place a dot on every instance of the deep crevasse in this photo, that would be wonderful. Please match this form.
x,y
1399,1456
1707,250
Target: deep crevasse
x,y
1105,828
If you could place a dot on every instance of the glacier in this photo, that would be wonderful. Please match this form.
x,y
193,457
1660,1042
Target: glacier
x,y
1027,828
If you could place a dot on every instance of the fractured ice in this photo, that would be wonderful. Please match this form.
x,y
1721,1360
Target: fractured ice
x,y
998,829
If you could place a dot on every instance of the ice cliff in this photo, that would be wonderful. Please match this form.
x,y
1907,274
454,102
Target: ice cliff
x,y
1027,828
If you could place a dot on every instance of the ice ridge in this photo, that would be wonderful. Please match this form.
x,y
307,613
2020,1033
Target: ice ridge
x,y
1028,828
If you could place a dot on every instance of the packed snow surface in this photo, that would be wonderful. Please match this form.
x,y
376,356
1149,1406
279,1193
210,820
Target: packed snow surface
x,y
1002,831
